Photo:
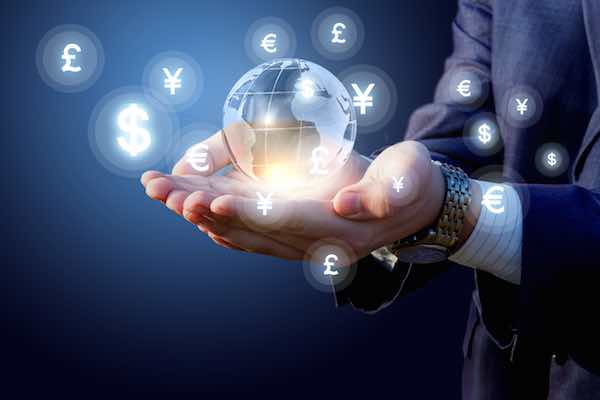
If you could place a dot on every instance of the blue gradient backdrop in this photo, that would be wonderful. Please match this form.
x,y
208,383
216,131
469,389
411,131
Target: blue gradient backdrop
x,y
104,289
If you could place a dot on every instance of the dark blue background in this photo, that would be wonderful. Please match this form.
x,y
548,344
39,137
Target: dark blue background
x,y
102,288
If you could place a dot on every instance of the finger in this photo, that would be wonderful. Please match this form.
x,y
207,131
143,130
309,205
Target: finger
x,y
217,158
175,200
244,239
196,207
221,225
256,243
393,181
148,176
159,188
306,218
223,243
199,201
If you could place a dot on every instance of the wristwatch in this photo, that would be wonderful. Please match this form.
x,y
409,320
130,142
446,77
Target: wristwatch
x,y
436,243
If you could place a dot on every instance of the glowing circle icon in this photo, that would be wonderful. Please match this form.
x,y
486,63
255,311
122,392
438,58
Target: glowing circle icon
x,y
329,264
70,58
338,33
197,157
174,78
374,96
130,132
270,38
522,106
552,159
465,87
190,147
482,134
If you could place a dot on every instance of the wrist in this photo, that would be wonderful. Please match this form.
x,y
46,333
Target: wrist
x,y
443,215
434,199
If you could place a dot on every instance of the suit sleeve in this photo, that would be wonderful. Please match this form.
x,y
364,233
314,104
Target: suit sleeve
x,y
559,293
439,125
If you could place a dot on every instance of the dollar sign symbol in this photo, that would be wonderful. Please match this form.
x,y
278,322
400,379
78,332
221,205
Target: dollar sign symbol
x,y
307,88
138,139
552,159
485,133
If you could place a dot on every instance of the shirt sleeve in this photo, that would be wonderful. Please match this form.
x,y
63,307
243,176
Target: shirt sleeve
x,y
495,243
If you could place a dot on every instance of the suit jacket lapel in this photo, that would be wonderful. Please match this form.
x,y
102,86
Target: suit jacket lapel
x,y
591,18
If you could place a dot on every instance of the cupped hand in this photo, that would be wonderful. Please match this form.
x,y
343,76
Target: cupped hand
x,y
190,193
364,215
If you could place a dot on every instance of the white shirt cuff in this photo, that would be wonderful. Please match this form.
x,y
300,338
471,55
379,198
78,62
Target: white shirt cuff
x,y
495,243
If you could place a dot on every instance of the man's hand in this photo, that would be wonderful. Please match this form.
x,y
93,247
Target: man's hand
x,y
190,193
374,213
400,178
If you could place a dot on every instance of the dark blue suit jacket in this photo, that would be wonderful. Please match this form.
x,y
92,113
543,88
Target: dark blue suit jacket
x,y
552,46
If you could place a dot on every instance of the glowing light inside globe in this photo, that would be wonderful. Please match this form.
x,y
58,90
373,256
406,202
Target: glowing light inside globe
x,y
286,119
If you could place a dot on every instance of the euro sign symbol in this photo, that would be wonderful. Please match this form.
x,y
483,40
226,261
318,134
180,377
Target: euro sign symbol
x,y
268,43
197,157
464,88
329,263
485,133
68,57
493,199
318,154
138,139
337,32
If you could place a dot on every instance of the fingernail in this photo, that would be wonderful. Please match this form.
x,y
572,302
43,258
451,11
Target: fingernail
x,y
349,203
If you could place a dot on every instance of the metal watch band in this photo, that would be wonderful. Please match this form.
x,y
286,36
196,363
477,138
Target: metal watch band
x,y
445,233
457,200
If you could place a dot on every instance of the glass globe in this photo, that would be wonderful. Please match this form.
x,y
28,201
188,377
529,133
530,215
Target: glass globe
x,y
289,123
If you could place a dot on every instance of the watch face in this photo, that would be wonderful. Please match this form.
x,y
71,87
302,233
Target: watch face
x,y
422,254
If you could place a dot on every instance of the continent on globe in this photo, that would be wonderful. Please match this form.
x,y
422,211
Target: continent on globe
x,y
278,113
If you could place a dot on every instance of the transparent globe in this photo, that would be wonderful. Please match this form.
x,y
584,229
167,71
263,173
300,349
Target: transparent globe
x,y
289,123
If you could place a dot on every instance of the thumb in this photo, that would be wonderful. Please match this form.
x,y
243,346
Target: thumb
x,y
374,198
393,181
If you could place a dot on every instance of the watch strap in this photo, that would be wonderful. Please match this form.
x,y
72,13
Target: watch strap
x,y
445,232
